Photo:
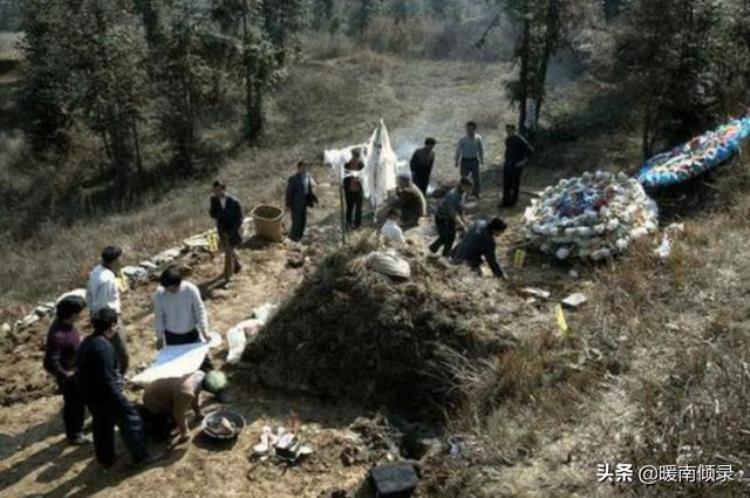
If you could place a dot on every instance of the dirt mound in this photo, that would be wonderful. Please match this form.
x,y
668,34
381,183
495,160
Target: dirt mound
x,y
350,332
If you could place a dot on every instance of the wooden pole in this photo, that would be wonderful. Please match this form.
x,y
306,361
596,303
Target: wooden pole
x,y
343,214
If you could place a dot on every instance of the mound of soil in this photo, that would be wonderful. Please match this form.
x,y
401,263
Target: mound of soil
x,y
350,332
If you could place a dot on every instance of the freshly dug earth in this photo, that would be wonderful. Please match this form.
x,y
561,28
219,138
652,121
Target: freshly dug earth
x,y
350,332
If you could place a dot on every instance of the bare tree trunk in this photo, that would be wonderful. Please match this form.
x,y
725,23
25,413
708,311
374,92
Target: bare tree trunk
x,y
253,91
137,145
523,94
550,44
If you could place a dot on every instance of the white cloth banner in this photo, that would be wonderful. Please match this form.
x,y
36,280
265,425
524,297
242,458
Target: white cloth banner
x,y
379,176
174,361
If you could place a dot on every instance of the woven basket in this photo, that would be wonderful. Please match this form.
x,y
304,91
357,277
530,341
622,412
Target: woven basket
x,y
267,220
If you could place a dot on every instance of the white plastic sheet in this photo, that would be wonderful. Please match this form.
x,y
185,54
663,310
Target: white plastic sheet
x,y
174,361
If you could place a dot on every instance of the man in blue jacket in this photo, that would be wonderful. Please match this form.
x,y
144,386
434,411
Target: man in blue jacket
x,y
101,385
479,243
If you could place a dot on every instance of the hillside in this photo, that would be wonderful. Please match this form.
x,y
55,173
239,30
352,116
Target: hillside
x,y
473,377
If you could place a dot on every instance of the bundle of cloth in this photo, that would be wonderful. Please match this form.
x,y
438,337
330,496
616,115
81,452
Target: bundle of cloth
x,y
701,154
595,216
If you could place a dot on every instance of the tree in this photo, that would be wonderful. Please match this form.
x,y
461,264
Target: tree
x,y
322,13
49,82
185,81
361,17
282,19
263,30
677,58
541,31
114,54
85,66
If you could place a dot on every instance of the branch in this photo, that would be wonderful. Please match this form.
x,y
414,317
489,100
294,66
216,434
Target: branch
x,y
483,39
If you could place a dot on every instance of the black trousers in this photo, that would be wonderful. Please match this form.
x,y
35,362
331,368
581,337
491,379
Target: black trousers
x,y
74,408
511,184
354,201
172,339
157,426
299,220
470,169
120,413
446,236
421,179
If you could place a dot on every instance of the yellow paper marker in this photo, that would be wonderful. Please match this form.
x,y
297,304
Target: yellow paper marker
x,y
122,282
213,243
520,258
562,323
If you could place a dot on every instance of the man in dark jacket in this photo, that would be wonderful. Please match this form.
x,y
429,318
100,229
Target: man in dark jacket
x,y
101,385
517,152
421,165
63,340
299,196
227,211
479,243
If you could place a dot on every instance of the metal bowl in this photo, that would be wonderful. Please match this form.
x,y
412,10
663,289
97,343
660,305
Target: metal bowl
x,y
212,420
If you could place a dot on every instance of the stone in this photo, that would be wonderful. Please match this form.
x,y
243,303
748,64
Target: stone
x,y
45,309
135,273
575,300
27,321
535,292
148,266
79,293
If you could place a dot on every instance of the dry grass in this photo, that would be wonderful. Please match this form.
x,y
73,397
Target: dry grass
x,y
321,104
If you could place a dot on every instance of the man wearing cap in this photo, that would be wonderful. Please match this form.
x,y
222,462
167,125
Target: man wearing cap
x,y
227,211
167,402
102,292
470,155
479,243
421,165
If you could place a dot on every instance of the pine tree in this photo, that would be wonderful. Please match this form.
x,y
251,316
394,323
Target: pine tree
x,y
361,17
541,31
85,66
677,58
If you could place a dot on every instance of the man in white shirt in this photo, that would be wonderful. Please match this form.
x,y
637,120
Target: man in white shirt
x,y
391,230
102,292
179,313
470,155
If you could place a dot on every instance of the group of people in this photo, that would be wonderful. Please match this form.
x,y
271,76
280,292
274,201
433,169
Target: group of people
x,y
90,372
408,204
478,243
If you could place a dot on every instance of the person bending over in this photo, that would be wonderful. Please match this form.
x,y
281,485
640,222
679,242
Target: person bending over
x,y
479,243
